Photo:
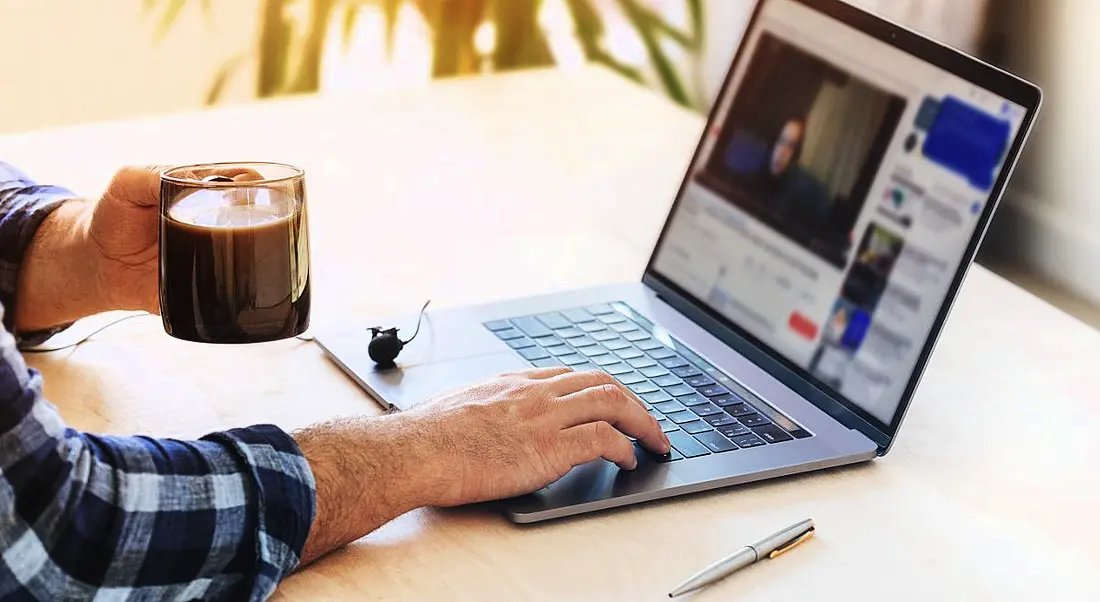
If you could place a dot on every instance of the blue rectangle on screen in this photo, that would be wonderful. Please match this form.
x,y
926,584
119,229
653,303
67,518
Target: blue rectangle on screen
x,y
968,141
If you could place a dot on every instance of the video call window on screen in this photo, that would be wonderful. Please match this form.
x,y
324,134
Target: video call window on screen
x,y
800,147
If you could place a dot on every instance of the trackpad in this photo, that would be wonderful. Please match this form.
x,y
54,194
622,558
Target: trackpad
x,y
405,388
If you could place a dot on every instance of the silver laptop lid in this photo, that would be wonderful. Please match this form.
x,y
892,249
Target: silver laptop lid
x,y
845,179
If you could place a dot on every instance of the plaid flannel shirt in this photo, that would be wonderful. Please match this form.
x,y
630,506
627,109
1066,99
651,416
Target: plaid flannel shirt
x,y
131,518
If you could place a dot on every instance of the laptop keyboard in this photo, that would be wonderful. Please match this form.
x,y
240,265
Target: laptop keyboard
x,y
701,409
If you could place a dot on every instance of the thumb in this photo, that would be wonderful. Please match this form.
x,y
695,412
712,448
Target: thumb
x,y
136,185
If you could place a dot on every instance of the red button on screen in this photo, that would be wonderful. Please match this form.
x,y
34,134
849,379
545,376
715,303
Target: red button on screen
x,y
803,326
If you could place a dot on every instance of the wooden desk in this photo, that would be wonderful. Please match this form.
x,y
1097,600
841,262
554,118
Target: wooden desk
x,y
477,190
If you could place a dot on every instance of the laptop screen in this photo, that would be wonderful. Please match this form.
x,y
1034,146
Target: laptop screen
x,y
836,193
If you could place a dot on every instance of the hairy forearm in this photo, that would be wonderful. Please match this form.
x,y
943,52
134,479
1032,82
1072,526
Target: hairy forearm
x,y
56,278
368,471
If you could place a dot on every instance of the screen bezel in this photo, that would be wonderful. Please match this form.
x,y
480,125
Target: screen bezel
x,y
979,73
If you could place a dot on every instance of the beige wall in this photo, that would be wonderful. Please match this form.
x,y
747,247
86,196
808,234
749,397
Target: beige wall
x,y
72,61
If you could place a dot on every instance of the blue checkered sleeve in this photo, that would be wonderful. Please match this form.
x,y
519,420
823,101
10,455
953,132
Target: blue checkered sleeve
x,y
24,205
125,518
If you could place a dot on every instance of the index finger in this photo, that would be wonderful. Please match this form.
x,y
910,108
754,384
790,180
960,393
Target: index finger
x,y
613,404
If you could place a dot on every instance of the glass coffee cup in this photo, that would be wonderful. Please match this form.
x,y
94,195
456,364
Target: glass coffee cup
x,y
234,253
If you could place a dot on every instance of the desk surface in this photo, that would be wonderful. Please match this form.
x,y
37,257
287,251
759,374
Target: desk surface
x,y
483,189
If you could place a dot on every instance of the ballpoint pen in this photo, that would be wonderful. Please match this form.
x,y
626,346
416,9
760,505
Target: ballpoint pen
x,y
769,547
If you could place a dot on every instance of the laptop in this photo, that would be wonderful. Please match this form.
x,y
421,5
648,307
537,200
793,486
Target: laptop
x,y
838,196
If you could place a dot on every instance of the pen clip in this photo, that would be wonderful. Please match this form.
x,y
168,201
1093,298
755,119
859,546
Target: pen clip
x,y
801,539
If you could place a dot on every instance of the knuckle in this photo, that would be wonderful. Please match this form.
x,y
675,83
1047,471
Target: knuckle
x,y
604,432
612,395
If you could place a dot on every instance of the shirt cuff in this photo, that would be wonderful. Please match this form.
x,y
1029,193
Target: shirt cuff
x,y
22,211
285,499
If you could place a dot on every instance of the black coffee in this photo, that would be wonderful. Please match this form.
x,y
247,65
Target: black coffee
x,y
236,273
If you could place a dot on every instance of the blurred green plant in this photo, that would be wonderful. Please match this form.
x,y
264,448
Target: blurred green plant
x,y
290,49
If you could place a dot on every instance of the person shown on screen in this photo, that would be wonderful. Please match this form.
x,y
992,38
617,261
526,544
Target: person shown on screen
x,y
792,192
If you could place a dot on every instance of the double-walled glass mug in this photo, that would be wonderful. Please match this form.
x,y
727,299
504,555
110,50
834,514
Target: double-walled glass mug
x,y
234,253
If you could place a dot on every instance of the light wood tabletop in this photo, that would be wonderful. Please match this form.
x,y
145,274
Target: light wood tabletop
x,y
478,190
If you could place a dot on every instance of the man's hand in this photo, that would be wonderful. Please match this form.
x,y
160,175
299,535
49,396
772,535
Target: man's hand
x,y
518,433
95,256
123,235
505,437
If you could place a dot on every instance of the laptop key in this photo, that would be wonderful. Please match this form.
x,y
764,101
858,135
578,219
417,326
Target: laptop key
x,y
724,401
591,327
656,397
753,420
687,445
641,362
715,442
706,409
593,351
630,378
667,426
686,371
713,390
560,350
554,321
668,407
772,433
628,353
623,327
605,360
617,369
496,325
691,400
636,336
681,417
508,334
674,362
666,380
699,381
584,341
734,430
649,345
720,420
522,343
531,327
569,333
662,353
738,410
604,336
681,389
749,440
695,427
578,316
550,341
644,387
586,367
611,318
616,344
546,363
654,371
533,353
601,309
572,359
